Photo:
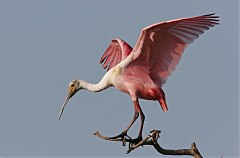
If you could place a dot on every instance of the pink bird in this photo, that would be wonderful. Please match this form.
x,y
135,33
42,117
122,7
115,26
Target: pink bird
x,y
142,70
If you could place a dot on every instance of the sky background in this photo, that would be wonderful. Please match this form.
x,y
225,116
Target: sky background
x,y
46,44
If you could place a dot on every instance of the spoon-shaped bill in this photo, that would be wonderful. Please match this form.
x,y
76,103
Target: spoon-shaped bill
x,y
64,104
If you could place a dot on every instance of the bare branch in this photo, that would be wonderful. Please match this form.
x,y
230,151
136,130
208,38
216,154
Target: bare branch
x,y
152,139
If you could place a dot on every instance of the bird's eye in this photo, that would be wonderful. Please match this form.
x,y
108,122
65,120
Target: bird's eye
x,y
72,85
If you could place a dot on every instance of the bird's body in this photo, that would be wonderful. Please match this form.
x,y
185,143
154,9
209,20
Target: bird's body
x,y
137,83
142,70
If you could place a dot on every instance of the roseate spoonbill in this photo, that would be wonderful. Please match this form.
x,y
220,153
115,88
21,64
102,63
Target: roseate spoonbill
x,y
142,70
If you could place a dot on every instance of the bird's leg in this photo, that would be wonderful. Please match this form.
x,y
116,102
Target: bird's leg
x,y
123,136
139,138
124,133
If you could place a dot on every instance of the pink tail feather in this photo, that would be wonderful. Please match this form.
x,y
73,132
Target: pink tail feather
x,y
162,101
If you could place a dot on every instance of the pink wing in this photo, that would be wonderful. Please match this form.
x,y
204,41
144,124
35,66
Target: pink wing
x,y
117,51
160,46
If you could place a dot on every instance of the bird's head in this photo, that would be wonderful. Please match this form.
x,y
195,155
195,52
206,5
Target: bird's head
x,y
73,88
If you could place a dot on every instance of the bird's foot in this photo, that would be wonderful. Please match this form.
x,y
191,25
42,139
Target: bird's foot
x,y
123,136
135,141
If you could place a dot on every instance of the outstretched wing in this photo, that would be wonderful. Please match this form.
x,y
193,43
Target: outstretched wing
x,y
160,46
117,51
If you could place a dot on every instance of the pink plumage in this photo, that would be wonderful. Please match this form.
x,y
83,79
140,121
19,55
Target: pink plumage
x,y
155,55
142,70
160,46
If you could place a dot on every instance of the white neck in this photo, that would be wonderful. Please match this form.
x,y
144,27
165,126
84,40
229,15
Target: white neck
x,y
94,87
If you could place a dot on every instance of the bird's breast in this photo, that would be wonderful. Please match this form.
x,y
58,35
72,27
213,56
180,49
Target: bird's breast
x,y
115,73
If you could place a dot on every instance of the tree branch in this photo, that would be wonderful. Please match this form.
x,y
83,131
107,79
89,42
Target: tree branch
x,y
152,139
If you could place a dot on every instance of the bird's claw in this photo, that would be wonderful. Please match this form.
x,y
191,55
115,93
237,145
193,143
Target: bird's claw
x,y
135,141
123,137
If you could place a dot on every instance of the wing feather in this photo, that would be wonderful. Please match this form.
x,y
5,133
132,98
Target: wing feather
x,y
110,55
117,51
160,46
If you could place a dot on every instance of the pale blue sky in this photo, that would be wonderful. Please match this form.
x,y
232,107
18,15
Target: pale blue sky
x,y
45,44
